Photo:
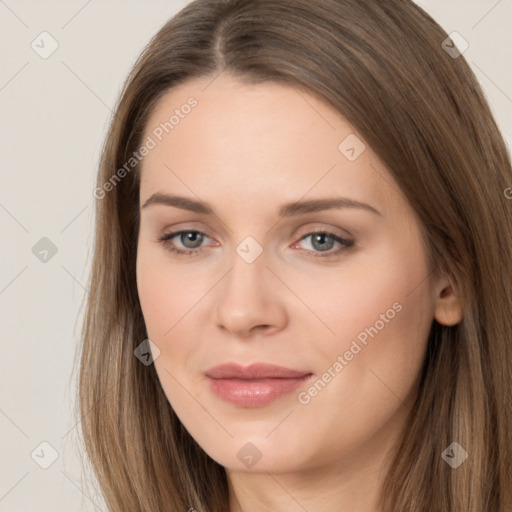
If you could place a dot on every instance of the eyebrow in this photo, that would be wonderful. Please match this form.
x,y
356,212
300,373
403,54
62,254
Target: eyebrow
x,y
287,210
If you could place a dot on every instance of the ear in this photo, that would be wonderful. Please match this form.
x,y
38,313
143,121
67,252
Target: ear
x,y
447,305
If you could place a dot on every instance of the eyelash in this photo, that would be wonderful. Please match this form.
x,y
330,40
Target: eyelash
x,y
165,241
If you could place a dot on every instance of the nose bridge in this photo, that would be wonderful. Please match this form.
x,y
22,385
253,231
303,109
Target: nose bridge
x,y
248,268
247,298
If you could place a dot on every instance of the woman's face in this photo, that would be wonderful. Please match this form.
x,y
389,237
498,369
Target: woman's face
x,y
307,257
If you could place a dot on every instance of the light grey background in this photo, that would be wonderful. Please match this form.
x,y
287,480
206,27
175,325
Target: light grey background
x,y
54,114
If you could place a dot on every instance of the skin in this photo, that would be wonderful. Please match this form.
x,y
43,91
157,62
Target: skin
x,y
246,150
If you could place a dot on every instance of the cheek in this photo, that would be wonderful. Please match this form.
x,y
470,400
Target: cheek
x,y
167,299
156,305
381,312
381,317
166,293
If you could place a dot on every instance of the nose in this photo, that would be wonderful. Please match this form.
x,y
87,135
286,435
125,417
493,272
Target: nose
x,y
250,299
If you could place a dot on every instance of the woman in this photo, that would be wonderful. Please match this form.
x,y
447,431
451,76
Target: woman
x,y
300,295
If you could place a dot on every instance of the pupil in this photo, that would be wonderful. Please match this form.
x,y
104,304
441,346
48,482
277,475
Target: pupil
x,y
322,238
190,237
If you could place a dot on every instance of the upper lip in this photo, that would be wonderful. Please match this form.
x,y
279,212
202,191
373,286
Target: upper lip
x,y
253,371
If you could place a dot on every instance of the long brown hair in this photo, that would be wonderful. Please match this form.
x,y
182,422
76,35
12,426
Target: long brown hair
x,y
384,67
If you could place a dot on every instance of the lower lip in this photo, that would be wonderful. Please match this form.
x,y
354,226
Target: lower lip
x,y
256,392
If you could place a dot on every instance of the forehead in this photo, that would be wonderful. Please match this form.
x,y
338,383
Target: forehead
x,y
234,141
247,116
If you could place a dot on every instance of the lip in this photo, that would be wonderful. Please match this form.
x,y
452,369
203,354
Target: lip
x,y
255,385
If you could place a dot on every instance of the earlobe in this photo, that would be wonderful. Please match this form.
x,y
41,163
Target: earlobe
x,y
447,307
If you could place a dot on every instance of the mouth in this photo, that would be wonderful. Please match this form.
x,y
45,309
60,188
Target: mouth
x,y
256,385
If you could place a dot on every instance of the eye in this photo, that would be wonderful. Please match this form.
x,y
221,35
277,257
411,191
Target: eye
x,y
323,242
190,239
